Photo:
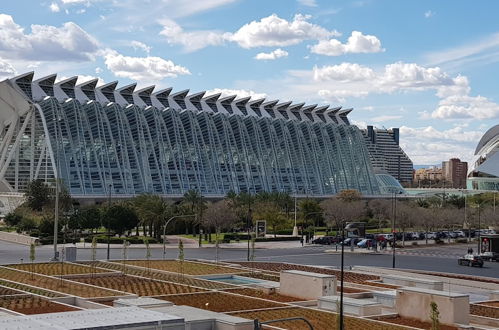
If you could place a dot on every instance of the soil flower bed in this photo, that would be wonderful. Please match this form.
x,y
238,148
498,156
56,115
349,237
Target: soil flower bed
x,y
136,285
5,291
33,305
55,268
319,319
55,284
189,267
278,266
154,274
484,310
28,289
260,294
262,276
416,323
219,302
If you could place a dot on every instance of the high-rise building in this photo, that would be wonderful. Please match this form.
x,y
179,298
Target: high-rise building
x,y
104,140
386,154
454,172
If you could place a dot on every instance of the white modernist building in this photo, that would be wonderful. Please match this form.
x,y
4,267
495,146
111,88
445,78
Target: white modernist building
x,y
484,172
102,140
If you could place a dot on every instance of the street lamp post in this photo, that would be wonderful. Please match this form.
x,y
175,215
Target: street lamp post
x,y
108,230
164,229
341,274
295,228
479,232
248,220
394,205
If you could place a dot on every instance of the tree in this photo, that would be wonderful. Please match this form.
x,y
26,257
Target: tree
x,y
181,257
13,219
27,224
37,195
32,256
152,211
434,316
405,218
196,203
120,218
46,226
380,210
270,212
311,211
220,216
349,195
338,212
90,218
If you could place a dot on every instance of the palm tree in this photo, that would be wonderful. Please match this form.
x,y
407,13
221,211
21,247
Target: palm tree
x,y
196,203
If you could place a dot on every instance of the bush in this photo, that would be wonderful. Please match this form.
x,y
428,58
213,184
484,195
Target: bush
x,y
461,240
277,239
414,243
439,241
120,240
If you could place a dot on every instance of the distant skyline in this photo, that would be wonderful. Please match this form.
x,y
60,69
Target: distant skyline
x,y
427,67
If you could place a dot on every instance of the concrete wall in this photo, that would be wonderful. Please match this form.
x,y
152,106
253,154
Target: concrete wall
x,y
413,282
17,238
415,303
351,306
306,285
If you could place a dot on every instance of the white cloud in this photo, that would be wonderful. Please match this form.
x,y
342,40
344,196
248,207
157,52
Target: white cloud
x,y
465,106
6,70
343,72
274,31
239,92
429,14
54,7
356,43
275,54
140,45
98,70
308,3
383,118
193,40
340,95
148,69
45,42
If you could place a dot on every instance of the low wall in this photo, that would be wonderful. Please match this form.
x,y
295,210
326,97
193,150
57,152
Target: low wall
x,y
18,238
357,307
306,285
494,295
484,310
413,282
415,303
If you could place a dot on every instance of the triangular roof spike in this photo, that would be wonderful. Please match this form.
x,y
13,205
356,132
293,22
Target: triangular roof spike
x,y
212,98
257,102
109,87
47,80
309,107
228,99
88,84
25,77
345,112
270,103
321,109
68,82
243,100
128,89
163,93
146,90
197,96
335,109
296,107
181,94
282,105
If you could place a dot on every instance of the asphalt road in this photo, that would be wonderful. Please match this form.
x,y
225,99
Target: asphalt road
x,y
440,259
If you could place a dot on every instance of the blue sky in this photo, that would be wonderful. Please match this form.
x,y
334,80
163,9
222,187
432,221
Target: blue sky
x,y
429,67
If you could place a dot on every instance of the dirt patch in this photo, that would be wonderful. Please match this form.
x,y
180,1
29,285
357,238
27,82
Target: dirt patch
x,y
33,305
416,323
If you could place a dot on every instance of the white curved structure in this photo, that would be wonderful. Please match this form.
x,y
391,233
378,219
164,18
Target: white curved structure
x,y
484,174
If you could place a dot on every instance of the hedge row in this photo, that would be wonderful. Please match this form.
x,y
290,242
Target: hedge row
x,y
120,240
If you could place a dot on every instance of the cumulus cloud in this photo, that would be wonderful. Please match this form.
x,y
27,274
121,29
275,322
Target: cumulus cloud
x,y
356,43
271,31
343,72
45,43
150,68
140,45
275,54
429,14
274,31
6,70
308,3
54,7
464,107
192,40
239,92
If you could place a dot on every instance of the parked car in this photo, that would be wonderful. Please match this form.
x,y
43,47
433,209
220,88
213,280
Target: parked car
x,y
460,234
348,241
431,235
489,256
327,240
365,243
470,260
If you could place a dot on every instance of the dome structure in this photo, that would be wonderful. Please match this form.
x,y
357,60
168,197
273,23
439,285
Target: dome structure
x,y
484,173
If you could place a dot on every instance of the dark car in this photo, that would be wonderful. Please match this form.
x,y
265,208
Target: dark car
x,y
470,260
326,240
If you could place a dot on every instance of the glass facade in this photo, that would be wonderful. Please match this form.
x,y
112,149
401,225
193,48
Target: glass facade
x,y
133,148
